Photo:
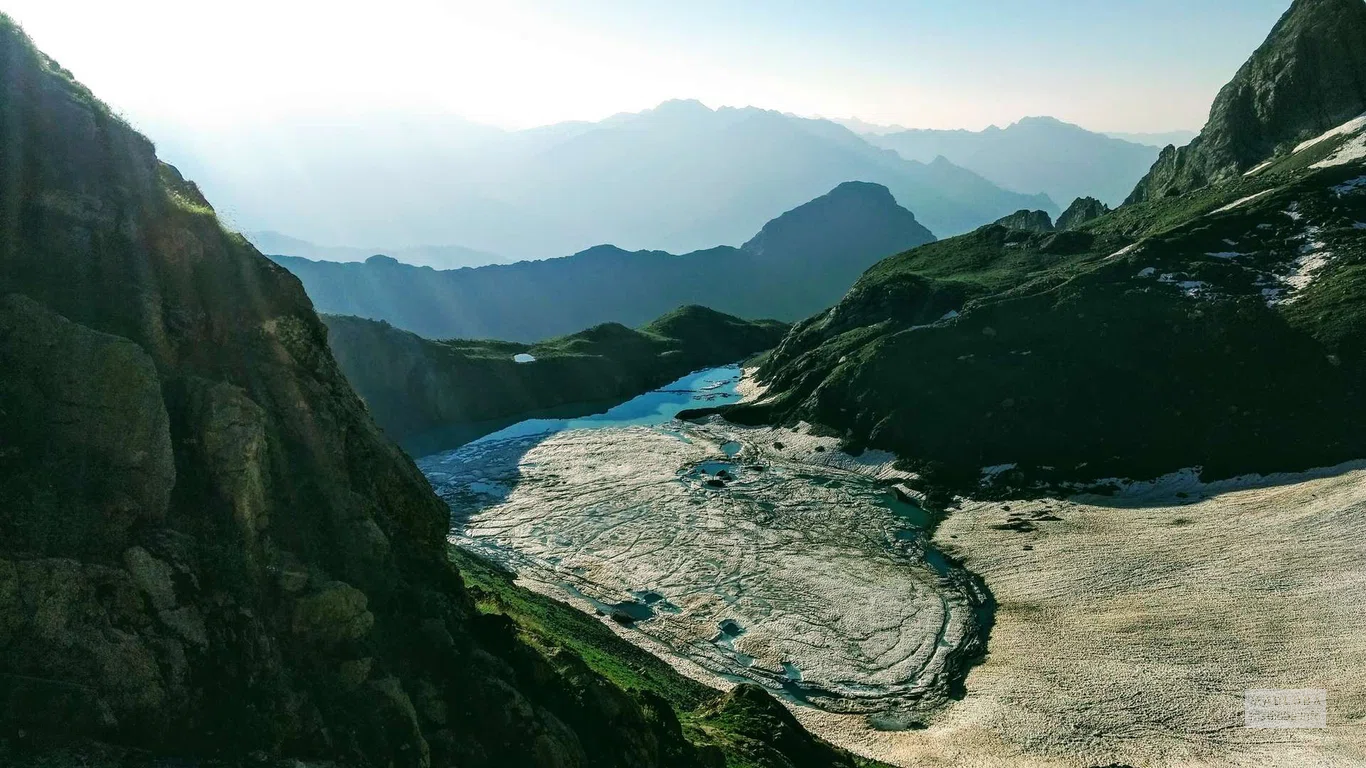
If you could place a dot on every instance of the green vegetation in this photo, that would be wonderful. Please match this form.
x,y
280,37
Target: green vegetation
x,y
433,394
1160,336
747,726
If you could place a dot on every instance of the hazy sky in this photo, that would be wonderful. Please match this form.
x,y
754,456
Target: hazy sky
x,y
1116,65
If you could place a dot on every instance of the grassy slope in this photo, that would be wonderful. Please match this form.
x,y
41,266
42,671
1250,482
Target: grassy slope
x,y
742,727
1065,358
416,387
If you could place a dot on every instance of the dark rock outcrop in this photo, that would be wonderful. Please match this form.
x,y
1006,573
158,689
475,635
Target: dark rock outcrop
x,y
1028,221
766,733
1082,210
207,548
1307,77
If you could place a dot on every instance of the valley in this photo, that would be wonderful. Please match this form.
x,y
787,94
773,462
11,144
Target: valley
x,y
741,554
1054,485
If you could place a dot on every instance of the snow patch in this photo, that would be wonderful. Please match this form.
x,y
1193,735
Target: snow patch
x,y
1349,152
1260,168
1354,125
1360,225
1192,288
1348,187
1147,271
1126,250
990,473
522,357
1225,255
1314,256
1243,201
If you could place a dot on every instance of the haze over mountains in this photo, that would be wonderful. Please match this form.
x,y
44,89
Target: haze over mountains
x,y
799,263
434,256
1038,154
678,177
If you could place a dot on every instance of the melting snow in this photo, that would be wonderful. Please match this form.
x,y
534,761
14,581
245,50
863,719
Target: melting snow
x,y
523,357
1260,168
1314,256
989,473
1192,288
1123,251
1237,203
1354,185
1351,126
1351,151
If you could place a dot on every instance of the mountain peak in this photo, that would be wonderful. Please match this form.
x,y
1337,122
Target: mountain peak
x,y
1082,210
1307,77
854,211
1027,220
681,107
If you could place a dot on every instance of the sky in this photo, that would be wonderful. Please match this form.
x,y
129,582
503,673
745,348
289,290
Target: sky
x,y
1108,65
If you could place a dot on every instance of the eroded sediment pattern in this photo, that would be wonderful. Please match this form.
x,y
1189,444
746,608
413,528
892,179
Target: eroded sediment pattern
x,y
752,561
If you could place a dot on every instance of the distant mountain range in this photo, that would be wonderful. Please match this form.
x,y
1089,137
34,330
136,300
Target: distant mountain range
x,y
678,177
799,263
434,256
1038,154
1159,140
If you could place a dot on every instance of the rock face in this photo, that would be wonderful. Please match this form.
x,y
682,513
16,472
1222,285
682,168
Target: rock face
x,y
1307,77
1029,221
1082,210
773,734
207,548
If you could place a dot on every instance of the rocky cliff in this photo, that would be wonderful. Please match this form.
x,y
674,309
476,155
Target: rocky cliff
x,y
1307,77
207,549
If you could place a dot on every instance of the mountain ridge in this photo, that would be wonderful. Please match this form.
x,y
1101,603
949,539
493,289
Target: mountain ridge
x,y
1060,159
697,177
1307,77
798,263
1125,346
433,395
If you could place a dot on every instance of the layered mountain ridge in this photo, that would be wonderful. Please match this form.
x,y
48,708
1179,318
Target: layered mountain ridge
x,y
679,177
1042,154
798,263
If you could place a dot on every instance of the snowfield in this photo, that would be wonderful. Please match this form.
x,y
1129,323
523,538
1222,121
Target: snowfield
x,y
1128,631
